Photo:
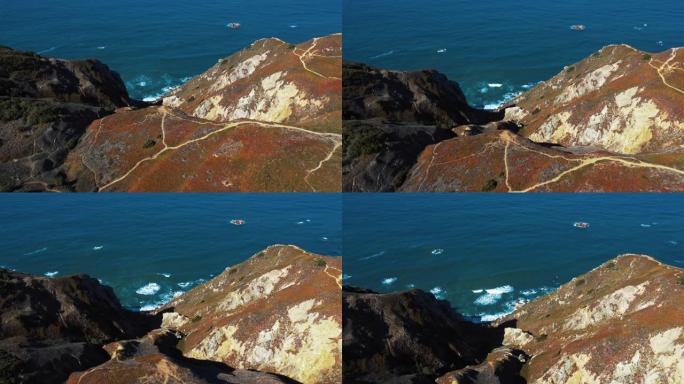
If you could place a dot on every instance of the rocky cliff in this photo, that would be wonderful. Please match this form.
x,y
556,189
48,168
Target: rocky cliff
x,y
619,323
611,122
264,119
45,106
275,318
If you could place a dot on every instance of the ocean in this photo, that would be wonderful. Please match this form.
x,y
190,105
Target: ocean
x,y
486,252
150,247
154,44
497,48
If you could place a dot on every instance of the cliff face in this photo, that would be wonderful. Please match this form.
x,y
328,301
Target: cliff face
x,y
620,99
264,119
275,318
279,311
51,327
45,106
612,122
391,116
619,323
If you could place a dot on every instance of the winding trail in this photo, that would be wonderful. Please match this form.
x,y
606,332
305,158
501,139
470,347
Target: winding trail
x,y
336,145
338,278
667,66
336,138
307,53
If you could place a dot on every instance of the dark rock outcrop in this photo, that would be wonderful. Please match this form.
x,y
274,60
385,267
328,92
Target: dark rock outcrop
x,y
51,327
408,337
390,117
45,106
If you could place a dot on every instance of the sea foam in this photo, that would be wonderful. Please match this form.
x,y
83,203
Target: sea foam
x,y
51,274
148,289
389,280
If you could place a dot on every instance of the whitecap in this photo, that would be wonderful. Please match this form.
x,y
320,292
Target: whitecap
x,y
389,280
437,251
141,83
300,222
308,220
101,47
645,225
493,316
149,307
324,238
493,295
441,50
495,85
41,250
148,289
529,292
411,286
98,247
384,54
373,256
500,290
673,242
51,274
484,90
491,106
660,43
478,290
346,277
185,284
293,26
438,292
167,275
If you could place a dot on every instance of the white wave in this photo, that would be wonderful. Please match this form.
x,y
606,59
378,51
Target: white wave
x,y
346,277
478,290
493,295
438,292
441,50
51,274
673,242
101,47
437,251
293,26
484,90
500,290
529,292
41,250
495,85
493,316
645,225
410,286
98,247
389,280
324,238
149,307
384,54
167,275
373,256
148,289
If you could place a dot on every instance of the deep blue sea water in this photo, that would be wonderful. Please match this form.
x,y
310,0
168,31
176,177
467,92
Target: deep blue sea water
x,y
485,252
131,241
508,44
156,44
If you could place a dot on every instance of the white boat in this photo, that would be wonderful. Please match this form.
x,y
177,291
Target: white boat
x,y
581,224
233,25
578,27
237,222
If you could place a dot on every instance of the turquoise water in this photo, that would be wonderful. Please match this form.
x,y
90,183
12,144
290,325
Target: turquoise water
x,y
149,247
157,44
485,253
508,44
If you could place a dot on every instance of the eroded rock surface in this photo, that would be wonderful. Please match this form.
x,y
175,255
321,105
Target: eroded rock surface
x,y
279,311
53,326
620,323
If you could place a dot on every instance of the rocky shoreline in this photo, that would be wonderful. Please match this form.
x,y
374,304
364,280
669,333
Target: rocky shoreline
x,y
263,119
275,318
619,323
610,123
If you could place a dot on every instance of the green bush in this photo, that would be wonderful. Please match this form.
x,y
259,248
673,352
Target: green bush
x,y
359,141
646,56
149,143
489,185
319,262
